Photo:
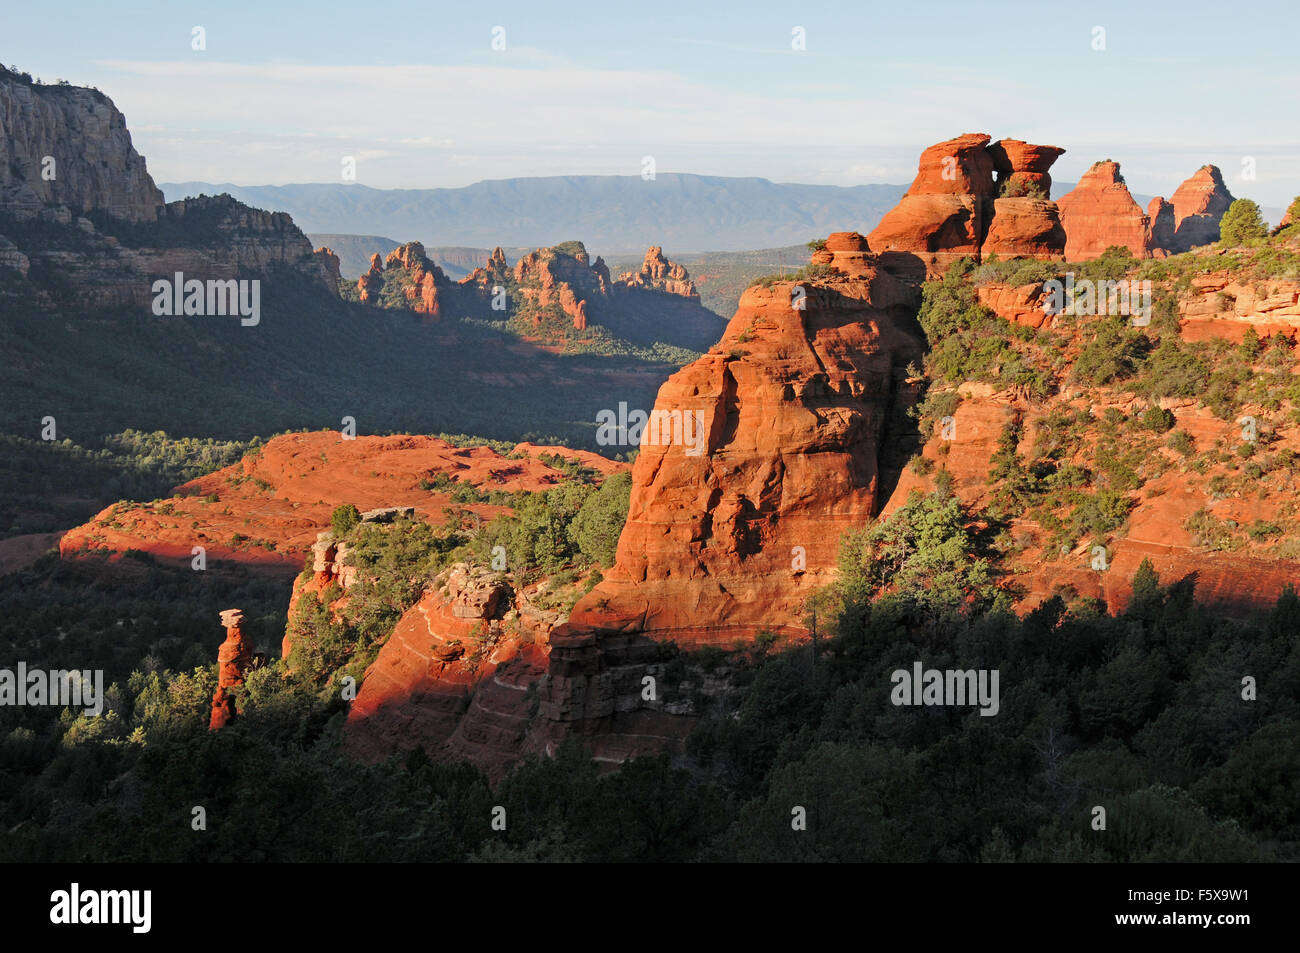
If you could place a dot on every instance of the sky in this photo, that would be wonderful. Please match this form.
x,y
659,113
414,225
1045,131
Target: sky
x,y
418,97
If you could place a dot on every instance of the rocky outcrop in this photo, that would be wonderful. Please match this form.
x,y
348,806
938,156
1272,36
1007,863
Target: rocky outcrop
x,y
450,644
733,524
88,267
421,282
847,253
660,274
562,276
372,282
1224,305
1025,304
233,660
1022,168
942,215
480,671
329,262
955,208
601,271
69,146
1099,212
1160,214
495,274
1024,228
1199,204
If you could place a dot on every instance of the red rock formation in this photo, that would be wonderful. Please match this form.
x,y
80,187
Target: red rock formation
x,y
372,282
467,623
485,278
1160,213
1100,212
660,274
1022,168
97,168
792,405
423,277
941,217
233,659
1026,304
1024,228
1199,204
951,209
960,166
330,263
848,253
473,672
572,305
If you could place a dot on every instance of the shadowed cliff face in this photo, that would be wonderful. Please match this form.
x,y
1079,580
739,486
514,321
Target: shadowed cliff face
x,y
69,146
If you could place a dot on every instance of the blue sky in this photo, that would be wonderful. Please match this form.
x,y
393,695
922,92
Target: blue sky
x,y
419,98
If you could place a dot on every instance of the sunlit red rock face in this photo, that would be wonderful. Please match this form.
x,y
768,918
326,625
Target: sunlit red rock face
x,y
233,659
1024,166
1024,228
793,406
848,253
1199,204
1100,212
660,274
1026,304
265,511
422,281
1234,583
330,263
955,208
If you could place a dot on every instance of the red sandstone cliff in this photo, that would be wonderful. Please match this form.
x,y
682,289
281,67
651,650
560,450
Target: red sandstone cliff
x,y
955,208
792,406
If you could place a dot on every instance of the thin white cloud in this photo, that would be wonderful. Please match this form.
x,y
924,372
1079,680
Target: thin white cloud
x,y
527,112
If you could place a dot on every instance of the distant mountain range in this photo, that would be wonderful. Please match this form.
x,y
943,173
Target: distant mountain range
x,y
612,215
